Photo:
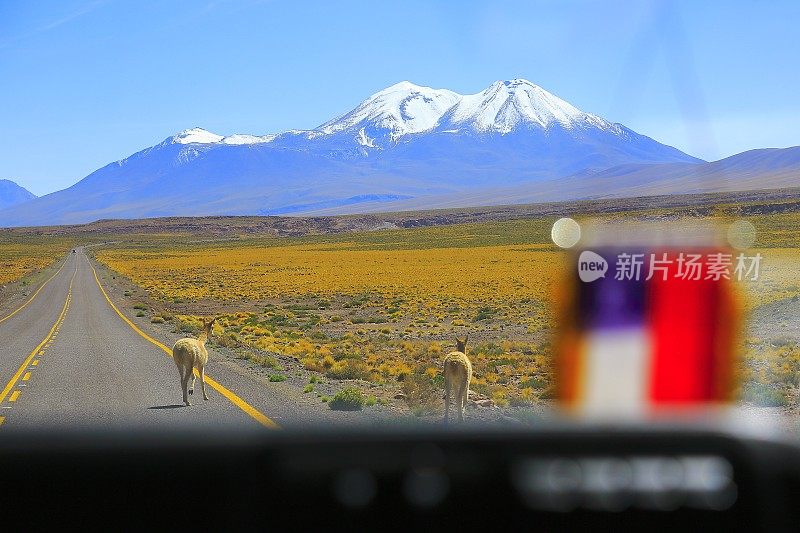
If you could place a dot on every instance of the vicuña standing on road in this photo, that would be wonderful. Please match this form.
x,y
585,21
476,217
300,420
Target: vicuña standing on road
x,y
190,354
457,375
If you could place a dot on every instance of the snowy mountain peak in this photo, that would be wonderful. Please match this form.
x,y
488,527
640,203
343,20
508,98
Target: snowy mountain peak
x,y
406,108
196,136
401,109
401,86
506,104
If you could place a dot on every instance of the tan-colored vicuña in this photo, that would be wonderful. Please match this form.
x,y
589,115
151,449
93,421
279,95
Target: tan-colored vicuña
x,y
190,354
457,375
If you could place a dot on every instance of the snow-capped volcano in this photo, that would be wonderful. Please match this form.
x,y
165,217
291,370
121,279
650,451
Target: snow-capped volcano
x,y
506,105
405,141
402,109
406,109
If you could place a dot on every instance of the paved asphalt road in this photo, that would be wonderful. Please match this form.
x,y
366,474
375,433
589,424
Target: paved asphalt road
x,y
69,359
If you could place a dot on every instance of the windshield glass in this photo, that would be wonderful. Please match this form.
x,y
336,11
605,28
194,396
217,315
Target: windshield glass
x,y
266,214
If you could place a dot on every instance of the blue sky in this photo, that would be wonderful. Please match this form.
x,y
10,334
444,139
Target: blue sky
x,y
84,83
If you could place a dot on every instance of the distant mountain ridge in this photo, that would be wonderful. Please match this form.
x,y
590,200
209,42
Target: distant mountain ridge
x,y
12,194
753,170
404,145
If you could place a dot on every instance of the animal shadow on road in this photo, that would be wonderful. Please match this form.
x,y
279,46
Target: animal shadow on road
x,y
173,406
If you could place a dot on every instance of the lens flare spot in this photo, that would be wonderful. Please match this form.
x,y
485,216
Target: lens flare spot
x,y
566,232
741,234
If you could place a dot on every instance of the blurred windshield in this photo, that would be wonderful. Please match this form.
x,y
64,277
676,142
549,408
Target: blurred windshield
x,y
291,216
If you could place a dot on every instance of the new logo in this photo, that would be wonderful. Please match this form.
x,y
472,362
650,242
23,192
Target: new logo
x,y
591,266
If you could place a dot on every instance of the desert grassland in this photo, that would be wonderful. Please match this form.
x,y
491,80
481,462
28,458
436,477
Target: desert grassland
x,y
778,241
384,306
23,256
770,374
381,306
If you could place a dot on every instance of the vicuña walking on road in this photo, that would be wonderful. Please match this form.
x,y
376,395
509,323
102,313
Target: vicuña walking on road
x,y
192,354
457,375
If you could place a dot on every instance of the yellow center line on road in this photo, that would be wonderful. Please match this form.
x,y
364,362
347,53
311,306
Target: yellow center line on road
x,y
217,386
13,381
23,306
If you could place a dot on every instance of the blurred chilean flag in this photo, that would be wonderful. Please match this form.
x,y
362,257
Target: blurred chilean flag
x,y
655,336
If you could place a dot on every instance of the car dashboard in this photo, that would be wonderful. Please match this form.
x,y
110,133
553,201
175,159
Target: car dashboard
x,y
560,477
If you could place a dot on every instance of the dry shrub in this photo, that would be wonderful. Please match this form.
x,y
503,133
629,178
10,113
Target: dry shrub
x,y
312,363
348,369
229,340
421,393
